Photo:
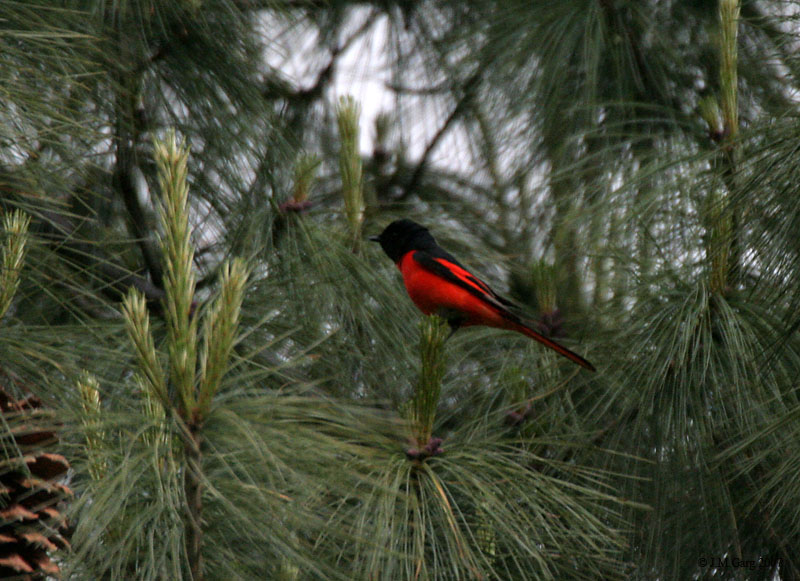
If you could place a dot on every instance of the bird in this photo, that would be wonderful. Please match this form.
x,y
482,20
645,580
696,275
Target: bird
x,y
439,284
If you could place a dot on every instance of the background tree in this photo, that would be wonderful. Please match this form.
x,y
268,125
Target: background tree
x,y
625,168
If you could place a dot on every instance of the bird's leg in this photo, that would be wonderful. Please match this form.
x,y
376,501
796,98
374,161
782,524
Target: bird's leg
x,y
453,317
455,325
453,329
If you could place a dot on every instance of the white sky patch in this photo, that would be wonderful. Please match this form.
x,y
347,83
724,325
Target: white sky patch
x,y
365,71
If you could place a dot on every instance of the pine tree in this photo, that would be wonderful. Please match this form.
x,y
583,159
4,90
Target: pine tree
x,y
625,170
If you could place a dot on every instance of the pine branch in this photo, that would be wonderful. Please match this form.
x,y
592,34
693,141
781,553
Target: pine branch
x,y
89,389
422,407
178,252
219,333
350,167
60,231
723,244
12,256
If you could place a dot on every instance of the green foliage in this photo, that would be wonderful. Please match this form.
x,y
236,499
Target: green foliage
x,y
179,283
423,404
632,165
488,506
729,11
482,503
12,256
347,116
544,282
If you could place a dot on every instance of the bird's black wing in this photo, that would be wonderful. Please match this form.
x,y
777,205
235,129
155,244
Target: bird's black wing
x,y
443,264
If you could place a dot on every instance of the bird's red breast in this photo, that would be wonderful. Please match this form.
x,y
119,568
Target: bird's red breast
x,y
433,294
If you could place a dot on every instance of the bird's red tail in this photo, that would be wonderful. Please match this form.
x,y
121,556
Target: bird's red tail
x,y
560,349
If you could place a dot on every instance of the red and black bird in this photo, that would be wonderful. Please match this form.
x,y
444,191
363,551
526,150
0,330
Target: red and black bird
x,y
438,283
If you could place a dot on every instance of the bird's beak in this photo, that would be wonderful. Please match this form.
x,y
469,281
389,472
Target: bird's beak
x,y
374,238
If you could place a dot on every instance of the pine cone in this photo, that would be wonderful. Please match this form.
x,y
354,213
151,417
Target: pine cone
x,y
31,524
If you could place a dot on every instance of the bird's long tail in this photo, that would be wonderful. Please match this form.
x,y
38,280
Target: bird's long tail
x,y
560,349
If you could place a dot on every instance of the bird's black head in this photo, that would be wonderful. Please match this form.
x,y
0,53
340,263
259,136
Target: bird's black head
x,y
402,236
